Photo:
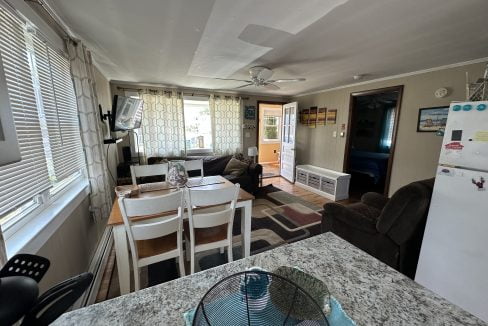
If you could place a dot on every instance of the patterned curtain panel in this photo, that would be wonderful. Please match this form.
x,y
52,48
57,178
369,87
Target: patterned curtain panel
x,y
163,127
91,130
227,124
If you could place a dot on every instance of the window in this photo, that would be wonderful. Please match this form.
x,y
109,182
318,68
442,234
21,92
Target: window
x,y
198,125
43,104
271,128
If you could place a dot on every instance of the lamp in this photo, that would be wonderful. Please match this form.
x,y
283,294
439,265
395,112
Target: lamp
x,y
252,152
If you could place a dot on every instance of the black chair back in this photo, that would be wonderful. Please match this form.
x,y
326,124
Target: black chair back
x,y
57,300
26,265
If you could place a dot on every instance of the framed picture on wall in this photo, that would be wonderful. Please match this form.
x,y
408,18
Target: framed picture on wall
x,y
432,119
331,117
250,112
304,115
312,118
321,113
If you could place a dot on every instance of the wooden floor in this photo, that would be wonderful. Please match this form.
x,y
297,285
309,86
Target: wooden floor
x,y
271,169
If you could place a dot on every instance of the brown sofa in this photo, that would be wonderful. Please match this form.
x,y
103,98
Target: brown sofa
x,y
215,165
388,229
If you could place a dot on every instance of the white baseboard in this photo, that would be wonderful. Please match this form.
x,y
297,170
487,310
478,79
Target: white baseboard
x,y
97,267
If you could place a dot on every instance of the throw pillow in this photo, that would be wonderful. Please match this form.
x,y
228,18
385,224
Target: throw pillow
x,y
241,158
235,167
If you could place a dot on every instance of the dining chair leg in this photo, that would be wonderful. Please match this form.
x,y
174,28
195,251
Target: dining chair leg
x,y
192,261
181,262
137,279
229,253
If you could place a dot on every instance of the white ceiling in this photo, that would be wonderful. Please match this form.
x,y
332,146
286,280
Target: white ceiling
x,y
185,43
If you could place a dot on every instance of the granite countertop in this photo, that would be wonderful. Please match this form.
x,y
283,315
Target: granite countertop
x,y
369,291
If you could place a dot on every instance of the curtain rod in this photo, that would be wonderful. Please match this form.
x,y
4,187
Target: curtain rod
x,y
188,93
50,17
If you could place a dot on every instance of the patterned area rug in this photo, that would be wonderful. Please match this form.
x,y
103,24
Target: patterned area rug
x,y
277,218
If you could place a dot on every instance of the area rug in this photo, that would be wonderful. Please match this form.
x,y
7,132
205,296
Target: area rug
x,y
301,215
277,219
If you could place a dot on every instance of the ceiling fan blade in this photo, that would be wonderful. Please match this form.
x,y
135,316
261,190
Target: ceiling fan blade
x,y
271,86
242,86
287,80
231,79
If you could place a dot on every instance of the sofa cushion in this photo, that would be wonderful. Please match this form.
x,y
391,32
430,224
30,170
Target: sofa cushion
x,y
235,167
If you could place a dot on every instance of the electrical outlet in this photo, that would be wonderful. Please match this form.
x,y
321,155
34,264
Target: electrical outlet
x,y
334,134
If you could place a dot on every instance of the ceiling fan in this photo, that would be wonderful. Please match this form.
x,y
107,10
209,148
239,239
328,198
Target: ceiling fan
x,y
259,77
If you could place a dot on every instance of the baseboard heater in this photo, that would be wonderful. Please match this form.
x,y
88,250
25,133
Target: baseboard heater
x,y
97,267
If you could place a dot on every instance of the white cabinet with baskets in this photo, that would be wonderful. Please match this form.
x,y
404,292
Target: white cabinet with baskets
x,y
328,183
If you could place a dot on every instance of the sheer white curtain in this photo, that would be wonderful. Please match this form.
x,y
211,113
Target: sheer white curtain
x,y
163,127
91,131
227,124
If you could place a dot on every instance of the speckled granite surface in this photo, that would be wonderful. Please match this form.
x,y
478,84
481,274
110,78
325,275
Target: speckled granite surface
x,y
369,291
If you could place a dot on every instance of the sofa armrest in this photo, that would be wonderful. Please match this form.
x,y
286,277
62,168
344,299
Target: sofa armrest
x,y
342,214
374,199
255,170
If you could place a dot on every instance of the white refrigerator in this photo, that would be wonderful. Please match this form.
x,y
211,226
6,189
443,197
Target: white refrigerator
x,y
454,256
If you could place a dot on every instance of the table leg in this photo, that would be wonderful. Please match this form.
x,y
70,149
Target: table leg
x,y
122,258
246,228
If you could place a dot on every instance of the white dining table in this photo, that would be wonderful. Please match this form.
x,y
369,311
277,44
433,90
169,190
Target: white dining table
x,y
244,202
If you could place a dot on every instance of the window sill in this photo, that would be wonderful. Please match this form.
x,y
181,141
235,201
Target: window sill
x,y
35,233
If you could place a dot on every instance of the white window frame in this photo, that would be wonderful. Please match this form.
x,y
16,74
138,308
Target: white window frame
x,y
199,151
278,127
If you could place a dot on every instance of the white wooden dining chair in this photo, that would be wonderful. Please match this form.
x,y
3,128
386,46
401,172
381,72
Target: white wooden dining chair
x,y
194,165
210,228
137,171
156,239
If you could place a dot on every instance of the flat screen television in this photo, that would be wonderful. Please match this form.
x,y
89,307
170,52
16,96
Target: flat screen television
x,y
126,113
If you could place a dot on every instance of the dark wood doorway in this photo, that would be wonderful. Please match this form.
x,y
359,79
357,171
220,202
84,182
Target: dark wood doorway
x,y
371,139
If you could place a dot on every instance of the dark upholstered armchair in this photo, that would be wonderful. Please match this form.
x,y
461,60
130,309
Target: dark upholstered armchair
x,y
389,229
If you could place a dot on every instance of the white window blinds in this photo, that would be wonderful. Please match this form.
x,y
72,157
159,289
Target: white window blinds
x,y
60,110
23,180
45,113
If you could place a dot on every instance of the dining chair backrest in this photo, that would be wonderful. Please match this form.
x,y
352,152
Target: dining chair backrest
x,y
194,165
157,205
138,171
227,197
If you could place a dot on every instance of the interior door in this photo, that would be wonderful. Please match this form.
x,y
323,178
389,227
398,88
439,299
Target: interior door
x,y
288,133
